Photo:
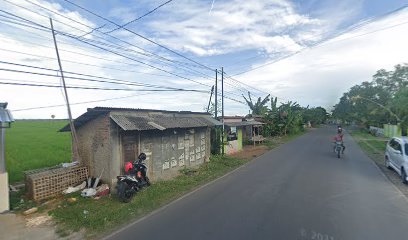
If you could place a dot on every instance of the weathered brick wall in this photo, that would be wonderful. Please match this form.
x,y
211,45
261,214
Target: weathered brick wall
x,y
171,150
95,147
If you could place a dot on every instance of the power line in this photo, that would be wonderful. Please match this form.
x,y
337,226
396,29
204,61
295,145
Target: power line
x,y
78,103
68,35
207,76
117,45
139,35
122,82
332,40
117,81
86,64
119,54
190,71
100,88
144,15
94,29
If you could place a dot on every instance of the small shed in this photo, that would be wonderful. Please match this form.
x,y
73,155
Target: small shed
x,y
172,140
238,131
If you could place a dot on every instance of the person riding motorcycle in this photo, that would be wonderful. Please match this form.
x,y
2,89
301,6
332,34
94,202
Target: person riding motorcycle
x,y
339,138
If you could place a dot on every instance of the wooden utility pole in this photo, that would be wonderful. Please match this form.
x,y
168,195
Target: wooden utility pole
x,y
222,100
75,152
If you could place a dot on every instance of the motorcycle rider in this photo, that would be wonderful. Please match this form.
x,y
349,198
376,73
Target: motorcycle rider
x,y
339,138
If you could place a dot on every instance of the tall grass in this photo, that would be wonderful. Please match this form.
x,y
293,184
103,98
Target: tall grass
x,y
32,144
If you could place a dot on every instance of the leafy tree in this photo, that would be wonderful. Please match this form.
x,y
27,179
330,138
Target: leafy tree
x,y
315,116
400,107
369,103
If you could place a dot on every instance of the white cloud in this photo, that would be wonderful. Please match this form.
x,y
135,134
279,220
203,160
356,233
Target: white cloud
x,y
234,26
316,76
29,41
319,76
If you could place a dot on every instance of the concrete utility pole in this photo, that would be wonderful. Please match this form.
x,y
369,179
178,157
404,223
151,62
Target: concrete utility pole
x,y
216,93
5,120
222,99
75,152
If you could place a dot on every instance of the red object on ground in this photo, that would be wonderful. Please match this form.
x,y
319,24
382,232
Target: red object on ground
x,y
128,166
102,190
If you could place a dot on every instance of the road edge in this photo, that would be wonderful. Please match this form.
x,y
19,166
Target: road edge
x,y
196,190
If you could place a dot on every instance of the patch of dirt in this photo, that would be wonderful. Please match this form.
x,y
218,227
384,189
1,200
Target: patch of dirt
x,y
249,152
39,220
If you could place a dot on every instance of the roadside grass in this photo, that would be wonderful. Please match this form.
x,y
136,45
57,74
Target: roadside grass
x,y
99,217
108,213
372,145
32,144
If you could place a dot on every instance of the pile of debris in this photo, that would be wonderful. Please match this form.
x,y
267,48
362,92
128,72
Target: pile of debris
x,y
92,187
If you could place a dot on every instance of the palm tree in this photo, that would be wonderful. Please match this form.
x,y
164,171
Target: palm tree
x,y
258,107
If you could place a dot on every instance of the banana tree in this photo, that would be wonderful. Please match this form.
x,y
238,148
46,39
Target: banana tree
x,y
257,107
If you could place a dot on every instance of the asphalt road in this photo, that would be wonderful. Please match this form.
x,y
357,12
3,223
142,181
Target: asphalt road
x,y
300,190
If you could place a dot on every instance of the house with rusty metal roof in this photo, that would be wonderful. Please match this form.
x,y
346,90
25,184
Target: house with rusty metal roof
x,y
172,140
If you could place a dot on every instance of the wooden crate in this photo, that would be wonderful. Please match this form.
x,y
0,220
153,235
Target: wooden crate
x,y
48,183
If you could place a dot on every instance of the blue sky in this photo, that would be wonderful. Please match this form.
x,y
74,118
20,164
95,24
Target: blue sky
x,y
241,36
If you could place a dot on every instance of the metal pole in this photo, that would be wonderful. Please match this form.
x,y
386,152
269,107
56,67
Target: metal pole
x,y
75,152
222,100
2,150
216,93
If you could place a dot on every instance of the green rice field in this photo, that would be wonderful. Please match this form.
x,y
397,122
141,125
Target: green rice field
x,y
32,144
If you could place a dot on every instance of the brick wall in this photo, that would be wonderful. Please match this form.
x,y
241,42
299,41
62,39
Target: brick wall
x,y
95,146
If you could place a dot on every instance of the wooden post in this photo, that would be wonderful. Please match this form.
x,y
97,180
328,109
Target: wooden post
x,y
75,152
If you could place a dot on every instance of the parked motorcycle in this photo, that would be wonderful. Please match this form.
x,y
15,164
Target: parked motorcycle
x,y
136,178
127,187
338,148
141,173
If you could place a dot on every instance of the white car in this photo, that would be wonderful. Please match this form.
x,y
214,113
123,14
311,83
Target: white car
x,y
396,156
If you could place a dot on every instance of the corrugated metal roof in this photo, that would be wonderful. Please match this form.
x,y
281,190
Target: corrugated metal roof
x,y
84,118
242,124
129,121
138,119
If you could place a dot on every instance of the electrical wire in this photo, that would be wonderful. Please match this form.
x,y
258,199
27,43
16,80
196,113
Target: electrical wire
x,y
79,103
26,20
92,28
208,77
332,40
144,15
100,88
85,64
116,53
139,35
117,81
190,71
